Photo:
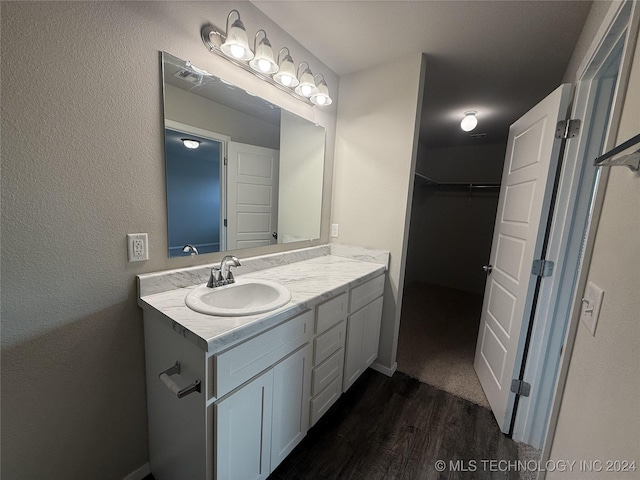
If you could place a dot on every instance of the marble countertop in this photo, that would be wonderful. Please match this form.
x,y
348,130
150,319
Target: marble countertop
x,y
310,281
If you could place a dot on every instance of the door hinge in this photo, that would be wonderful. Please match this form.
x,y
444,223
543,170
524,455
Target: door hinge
x,y
520,387
568,128
542,268
225,222
226,161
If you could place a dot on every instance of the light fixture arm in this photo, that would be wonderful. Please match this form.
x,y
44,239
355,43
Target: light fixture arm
x,y
322,80
255,38
229,17
280,54
300,65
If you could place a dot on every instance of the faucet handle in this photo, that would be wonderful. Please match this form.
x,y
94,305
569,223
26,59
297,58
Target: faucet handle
x,y
215,278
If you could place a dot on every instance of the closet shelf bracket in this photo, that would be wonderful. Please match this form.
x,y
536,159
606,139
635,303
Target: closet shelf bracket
x,y
631,160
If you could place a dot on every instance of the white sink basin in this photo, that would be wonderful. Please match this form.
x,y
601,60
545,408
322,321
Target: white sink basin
x,y
244,297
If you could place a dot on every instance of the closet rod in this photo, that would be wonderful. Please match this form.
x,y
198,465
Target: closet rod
x,y
433,183
631,160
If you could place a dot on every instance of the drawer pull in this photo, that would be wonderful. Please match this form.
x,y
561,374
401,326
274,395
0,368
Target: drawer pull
x,y
173,386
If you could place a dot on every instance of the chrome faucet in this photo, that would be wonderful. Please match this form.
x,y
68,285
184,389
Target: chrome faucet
x,y
222,275
188,248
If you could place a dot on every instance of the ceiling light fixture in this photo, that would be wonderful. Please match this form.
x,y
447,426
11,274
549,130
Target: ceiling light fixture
x,y
190,143
263,61
287,70
470,121
234,46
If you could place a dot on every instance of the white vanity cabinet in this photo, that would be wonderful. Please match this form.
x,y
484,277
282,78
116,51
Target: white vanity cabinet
x,y
363,329
255,397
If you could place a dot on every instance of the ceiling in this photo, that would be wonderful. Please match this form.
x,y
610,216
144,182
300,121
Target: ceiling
x,y
496,57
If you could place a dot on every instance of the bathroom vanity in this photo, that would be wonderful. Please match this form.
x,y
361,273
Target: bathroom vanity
x,y
230,397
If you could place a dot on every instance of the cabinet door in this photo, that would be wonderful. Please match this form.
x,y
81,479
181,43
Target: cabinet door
x,y
353,350
243,431
291,394
371,332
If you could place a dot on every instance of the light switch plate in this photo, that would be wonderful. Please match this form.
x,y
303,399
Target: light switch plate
x,y
334,230
591,303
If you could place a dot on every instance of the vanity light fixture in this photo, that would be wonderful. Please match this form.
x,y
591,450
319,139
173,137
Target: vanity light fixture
x,y
286,75
190,143
321,97
263,59
470,121
234,46
307,86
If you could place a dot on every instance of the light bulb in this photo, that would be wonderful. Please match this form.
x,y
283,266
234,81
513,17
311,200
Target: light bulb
x,y
306,90
469,121
264,65
237,51
286,80
190,143
321,99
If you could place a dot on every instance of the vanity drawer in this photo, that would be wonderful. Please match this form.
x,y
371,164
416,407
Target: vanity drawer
x,y
331,312
328,342
322,402
238,364
326,372
366,292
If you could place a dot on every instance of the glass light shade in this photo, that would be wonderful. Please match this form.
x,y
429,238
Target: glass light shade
x,y
263,61
190,143
469,122
237,44
322,97
287,73
307,86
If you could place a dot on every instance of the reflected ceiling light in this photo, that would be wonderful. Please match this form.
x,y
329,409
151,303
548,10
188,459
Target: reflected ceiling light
x,y
263,61
470,121
236,45
307,86
287,72
321,97
190,143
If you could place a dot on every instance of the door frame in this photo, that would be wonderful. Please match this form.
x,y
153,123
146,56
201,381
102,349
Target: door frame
x,y
600,44
223,140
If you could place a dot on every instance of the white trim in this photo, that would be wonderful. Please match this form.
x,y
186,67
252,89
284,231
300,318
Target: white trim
x,y
183,127
139,473
598,196
384,370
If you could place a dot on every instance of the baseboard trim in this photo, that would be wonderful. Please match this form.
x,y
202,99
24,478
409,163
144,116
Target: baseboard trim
x,y
385,370
140,473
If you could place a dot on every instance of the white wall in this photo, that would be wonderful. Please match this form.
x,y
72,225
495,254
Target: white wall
x,y
82,165
300,186
191,109
451,230
600,413
376,143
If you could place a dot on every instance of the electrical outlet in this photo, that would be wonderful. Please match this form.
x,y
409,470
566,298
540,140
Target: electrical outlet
x,y
137,247
334,230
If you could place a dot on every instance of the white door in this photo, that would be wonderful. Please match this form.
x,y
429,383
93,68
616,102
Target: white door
x,y
252,196
523,210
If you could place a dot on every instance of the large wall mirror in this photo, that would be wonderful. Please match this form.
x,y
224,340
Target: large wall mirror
x,y
241,172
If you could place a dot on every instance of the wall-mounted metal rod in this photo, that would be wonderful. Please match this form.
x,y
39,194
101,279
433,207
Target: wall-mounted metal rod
x,y
460,185
631,160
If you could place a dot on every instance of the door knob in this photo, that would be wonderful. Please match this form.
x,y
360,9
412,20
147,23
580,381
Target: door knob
x,y
487,269
275,235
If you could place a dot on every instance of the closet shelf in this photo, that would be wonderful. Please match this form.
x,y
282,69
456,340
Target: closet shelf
x,y
457,185
631,160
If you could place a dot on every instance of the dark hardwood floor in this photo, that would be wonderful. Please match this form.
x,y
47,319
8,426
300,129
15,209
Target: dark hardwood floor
x,y
397,428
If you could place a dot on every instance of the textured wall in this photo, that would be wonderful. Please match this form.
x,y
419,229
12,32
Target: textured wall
x,y
599,417
82,165
375,161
